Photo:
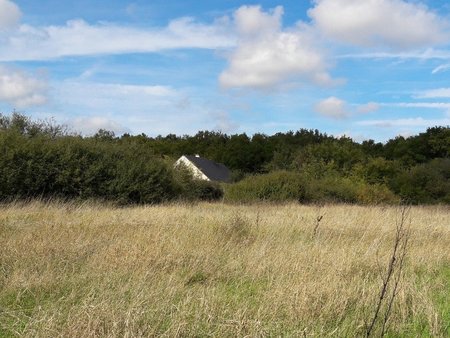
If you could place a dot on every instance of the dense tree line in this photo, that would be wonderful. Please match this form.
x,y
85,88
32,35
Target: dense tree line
x,y
41,160
44,159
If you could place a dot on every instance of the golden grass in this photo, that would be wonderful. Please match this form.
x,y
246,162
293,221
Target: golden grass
x,y
216,270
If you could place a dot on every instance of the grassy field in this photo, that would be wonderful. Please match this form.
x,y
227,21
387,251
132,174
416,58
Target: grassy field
x,y
218,270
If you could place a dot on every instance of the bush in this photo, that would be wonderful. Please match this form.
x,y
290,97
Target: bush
x,y
72,167
376,193
291,186
425,183
40,159
191,189
207,191
378,170
277,186
332,189
138,181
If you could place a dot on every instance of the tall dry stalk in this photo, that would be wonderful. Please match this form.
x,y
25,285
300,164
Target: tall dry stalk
x,y
319,218
391,279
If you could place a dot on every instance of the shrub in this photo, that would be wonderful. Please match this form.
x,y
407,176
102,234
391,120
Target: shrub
x,y
139,181
207,191
291,186
425,183
378,170
190,189
375,194
332,189
277,186
72,167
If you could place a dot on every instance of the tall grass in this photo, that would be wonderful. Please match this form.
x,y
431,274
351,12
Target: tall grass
x,y
89,270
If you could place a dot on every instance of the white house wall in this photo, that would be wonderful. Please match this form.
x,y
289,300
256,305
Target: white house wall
x,y
197,173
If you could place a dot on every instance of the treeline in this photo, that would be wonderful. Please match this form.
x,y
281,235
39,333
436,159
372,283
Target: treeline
x,y
322,167
41,159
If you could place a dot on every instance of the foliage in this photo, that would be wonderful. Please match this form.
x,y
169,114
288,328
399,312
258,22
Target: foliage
x,y
291,186
275,186
42,159
425,183
37,165
190,189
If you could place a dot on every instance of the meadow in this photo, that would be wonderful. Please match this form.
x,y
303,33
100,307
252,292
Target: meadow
x,y
212,269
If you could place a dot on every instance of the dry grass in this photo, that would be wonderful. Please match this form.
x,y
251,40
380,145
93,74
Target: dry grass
x,y
216,270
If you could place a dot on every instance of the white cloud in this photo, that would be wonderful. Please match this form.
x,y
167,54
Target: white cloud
x,y
368,108
252,21
90,125
141,108
434,93
336,108
10,14
20,89
114,97
428,54
411,122
432,105
393,23
224,123
441,68
122,90
332,107
354,135
78,38
268,55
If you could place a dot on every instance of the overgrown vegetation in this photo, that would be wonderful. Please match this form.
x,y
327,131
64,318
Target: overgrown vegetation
x,y
281,186
42,159
89,270
39,160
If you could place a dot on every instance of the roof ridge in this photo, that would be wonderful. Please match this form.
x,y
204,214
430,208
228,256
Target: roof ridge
x,y
215,171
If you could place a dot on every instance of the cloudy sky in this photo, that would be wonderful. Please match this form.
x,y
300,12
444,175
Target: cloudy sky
x,y
363,68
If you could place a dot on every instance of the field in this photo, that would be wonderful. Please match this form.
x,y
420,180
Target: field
x,y
90,270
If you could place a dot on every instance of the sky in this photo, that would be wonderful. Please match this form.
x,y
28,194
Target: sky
x,y
371,69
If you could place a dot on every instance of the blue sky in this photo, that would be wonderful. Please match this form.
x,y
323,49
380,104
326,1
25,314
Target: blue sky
x,y
365,69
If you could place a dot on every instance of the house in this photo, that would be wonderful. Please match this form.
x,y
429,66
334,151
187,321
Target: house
x,y
205,169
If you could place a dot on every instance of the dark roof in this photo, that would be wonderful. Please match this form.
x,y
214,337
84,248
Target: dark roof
x,y
214,171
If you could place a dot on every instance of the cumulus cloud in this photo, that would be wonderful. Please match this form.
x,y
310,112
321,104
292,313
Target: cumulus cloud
x,y
20,89
336,108
79,38
90,125
252,21
10,14
268,55
332,107
368,107
224,123
393,23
